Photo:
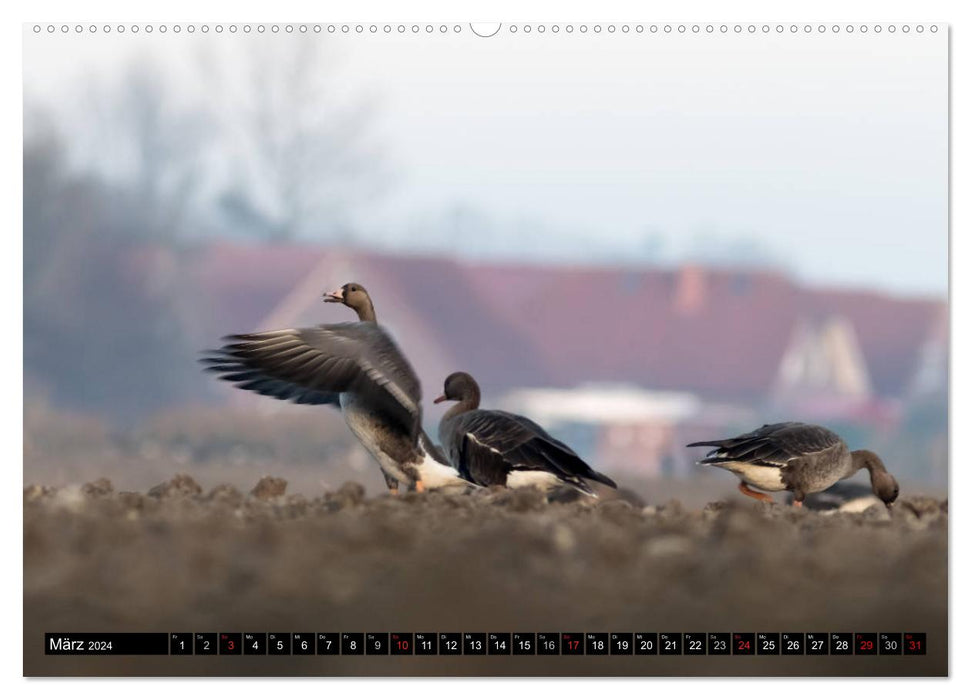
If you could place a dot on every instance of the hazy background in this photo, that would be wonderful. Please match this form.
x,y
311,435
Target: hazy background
x,y
820,160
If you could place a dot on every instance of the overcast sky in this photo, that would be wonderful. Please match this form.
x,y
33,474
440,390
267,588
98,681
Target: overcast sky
x,y
828,151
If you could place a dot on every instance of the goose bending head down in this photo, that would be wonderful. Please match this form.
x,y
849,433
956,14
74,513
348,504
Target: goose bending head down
x,y
796,457
496,447
354,366
885,486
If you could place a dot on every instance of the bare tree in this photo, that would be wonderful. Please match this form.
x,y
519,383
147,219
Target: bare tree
x,y
138,134
98,335
304,152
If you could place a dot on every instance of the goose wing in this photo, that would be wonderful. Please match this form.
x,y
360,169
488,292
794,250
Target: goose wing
x,y
486,445
316,365
772,445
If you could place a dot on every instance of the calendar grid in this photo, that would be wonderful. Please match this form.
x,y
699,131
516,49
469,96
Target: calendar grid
x,y
375,644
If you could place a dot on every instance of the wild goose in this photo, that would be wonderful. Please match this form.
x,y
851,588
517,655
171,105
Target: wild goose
x,y
796,457
495,447
355,366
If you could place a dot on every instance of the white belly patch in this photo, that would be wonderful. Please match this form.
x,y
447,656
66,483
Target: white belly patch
x,y
765,478
361,424
517,479
435,475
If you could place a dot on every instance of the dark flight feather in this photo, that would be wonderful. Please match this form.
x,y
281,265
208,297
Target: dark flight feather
x,y
773,445
315,365
486,445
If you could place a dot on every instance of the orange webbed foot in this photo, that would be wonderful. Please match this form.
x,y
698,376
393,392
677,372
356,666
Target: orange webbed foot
x,y
758,495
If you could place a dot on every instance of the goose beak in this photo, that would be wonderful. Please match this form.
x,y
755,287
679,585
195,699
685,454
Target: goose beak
x,y
335,297
440,399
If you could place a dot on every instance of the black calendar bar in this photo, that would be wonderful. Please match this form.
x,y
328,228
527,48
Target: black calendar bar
x,y
379,644
109,644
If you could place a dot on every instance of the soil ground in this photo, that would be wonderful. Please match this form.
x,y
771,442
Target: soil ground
x,y
184,558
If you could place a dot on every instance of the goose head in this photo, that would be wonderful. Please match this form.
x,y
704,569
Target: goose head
x,y
355,296
460,386
885,487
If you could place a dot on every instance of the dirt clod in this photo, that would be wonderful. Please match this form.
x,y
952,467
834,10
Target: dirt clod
x,y
179,485
269,487
99,487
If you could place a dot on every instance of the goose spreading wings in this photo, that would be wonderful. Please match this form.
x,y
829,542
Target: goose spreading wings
x,y
354,366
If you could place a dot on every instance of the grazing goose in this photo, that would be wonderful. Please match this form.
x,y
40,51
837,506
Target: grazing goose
x,y
495,447
796,457
355,366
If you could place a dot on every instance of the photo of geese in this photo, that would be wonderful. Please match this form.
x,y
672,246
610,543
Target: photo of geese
x,y
796,457
491,447
356,367
628,237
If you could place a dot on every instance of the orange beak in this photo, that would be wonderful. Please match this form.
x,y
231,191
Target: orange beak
x,y
440,399
335,297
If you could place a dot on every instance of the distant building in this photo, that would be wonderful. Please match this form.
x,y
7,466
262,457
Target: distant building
x,y
722,334
930,376
823,359
619,428
628,363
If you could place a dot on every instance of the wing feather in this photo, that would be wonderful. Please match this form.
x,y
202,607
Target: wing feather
x,y
489,444
772,445
315,365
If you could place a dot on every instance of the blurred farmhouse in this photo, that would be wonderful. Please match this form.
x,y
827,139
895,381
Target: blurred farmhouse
x,y
627,364
153,226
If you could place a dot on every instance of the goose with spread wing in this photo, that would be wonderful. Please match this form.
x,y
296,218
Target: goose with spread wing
x,y
496,447
354,366
796,457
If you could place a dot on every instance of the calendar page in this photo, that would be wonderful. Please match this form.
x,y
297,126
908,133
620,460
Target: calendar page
x,y
471,349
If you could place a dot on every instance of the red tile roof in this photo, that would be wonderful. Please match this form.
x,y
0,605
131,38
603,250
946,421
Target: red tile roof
x,y
717,332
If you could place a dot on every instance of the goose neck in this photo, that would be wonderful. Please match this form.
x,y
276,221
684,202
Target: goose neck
x,y
467,403
366,312
865,459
